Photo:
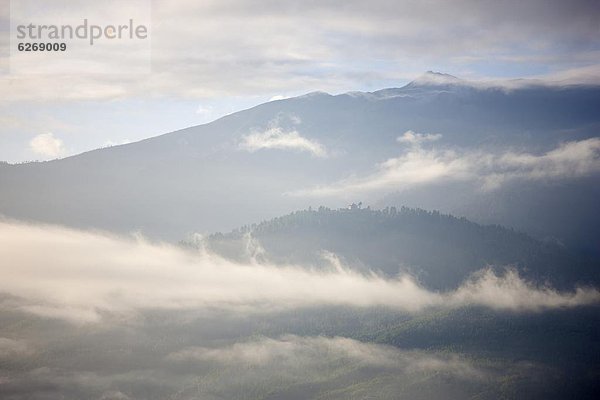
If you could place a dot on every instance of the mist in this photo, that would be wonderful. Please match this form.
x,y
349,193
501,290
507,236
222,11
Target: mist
x,y
76,275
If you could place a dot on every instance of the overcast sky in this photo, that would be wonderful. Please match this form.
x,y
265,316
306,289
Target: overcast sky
x,y
210,58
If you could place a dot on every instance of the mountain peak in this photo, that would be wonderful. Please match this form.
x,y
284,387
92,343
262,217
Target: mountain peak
x,y
432,78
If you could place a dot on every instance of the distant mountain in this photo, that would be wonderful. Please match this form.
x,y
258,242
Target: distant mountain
x,y
436,79
440,250
250,165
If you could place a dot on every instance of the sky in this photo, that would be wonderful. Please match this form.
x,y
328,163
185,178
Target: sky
x,y
206,59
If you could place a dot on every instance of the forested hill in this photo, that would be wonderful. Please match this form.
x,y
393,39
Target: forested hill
x,y
441,250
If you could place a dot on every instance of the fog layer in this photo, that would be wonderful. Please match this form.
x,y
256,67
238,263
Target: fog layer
x,y
75,275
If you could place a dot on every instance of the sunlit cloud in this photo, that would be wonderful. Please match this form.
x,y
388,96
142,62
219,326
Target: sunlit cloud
x,y
569,160
421,166
278,138
297,353
73,275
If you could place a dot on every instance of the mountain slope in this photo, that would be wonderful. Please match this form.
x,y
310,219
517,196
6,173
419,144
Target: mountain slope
x,y
205,178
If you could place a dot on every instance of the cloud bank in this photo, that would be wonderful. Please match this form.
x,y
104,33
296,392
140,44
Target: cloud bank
x,y
257,367
297,354
78,276
421,166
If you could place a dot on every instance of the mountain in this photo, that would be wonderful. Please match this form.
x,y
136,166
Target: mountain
x,y
442,251
259,163
551,354
436,79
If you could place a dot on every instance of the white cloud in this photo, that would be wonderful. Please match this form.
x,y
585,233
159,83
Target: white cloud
x,y
276,137
511,292
413,138
419,166
348,368
229,48
45,144
415,167
569,160
291,352
73,275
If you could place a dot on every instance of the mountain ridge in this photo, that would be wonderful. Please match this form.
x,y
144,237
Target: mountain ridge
x,y
204,178
432,80
439,249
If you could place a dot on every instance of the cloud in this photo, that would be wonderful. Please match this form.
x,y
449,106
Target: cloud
x,y
414,138
210,49
296,354
275,137
359,370
278,97
511,292
569,160
11,348
79,276
419,166
589,74
45,144
109,364
416,166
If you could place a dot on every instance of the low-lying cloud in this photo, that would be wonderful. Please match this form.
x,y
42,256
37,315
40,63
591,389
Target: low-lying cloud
x,y
423,166
73,275
257,367
299,354
276,138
